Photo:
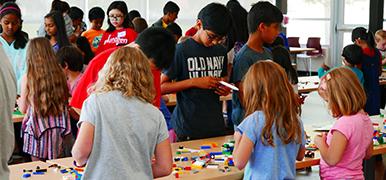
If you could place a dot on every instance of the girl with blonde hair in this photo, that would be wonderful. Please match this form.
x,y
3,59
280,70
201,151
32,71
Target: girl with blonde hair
x,y
120,129
44,99
350,139
271,137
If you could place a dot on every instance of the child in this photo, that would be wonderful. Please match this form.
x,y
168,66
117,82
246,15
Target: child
x,y
140,24
71,60
63,8
96,15
170,10
199,64
56,32
120,31
371,68
13,39
380,40
43,98
281,56
350,139
133,14
271,137
264,21
124,87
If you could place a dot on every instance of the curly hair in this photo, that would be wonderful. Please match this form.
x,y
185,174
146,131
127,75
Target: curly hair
x,y
127,70
47,89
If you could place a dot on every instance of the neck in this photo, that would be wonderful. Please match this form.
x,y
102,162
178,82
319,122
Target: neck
x,y
72,75
53,40
8,38
255,43
165,19
196,38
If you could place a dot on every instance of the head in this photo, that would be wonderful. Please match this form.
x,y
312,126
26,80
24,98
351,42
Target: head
x,y
267,89
158,45
127,70
54,26
76,15
352,55
70,58
282,57
175,29
170,10
118,16
214,22
133,14
265,19
239,16
380,39
85,48
47,89
96,16
11,23
343,92
140,24
363,38
61,6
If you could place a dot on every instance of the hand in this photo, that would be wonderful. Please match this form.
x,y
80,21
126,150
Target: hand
x,y
222,90
207,82
320,139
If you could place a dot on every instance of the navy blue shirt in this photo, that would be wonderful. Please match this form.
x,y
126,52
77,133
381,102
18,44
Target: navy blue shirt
x,y
198,113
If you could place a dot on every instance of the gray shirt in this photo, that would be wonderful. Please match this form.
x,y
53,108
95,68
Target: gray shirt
x,y
126,133
7,103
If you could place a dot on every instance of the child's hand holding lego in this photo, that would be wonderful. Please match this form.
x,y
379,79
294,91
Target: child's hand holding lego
x,y
320,139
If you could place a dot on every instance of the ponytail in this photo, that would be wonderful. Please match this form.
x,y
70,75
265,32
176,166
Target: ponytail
x,y
370,39
363,34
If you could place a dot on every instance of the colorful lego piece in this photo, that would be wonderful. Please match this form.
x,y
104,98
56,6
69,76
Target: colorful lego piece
x,y
26,175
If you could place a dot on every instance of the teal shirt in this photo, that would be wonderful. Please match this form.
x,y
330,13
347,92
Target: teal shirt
x,y
358,72
17,58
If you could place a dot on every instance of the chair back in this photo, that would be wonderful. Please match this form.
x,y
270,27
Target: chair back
x,y
293,42
314,42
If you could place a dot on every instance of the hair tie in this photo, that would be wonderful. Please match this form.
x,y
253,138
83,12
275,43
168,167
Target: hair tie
x,y
9,8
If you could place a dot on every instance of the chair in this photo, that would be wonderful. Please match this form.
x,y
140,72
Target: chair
x,y
312,42
293,42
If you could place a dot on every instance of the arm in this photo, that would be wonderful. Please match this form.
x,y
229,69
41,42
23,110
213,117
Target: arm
x,y
242,150
369,151
163,159
84,143
301,153
22,101
331,154
171,87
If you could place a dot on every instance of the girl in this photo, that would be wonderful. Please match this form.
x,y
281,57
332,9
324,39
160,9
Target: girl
x,y
56,32
13,39
119,125
371,68
120,31
350,139
281,56
44,97
271,137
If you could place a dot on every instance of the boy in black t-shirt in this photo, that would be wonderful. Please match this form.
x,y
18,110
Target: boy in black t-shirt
x,y
199,64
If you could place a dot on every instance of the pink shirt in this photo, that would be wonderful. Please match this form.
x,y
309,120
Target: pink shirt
x,y
358,130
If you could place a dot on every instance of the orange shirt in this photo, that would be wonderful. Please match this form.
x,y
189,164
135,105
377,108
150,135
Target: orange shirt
x,y
94,37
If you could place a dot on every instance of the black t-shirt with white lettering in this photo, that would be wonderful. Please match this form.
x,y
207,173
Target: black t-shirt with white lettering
x,y
198,113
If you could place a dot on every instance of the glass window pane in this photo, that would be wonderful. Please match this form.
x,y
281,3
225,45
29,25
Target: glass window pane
x,y
309,28
309,8
356,11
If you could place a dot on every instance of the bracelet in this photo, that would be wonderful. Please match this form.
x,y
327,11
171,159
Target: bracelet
x,y
79,166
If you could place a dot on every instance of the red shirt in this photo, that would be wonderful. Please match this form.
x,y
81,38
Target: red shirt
x,y
191,32
116,38
90,76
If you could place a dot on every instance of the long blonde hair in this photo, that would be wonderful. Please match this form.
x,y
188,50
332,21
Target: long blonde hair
x,y
47,89
266,88
344,93
127,70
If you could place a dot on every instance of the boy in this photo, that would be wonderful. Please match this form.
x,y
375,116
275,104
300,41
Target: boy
x,y
171,10
264,20
156,43
199,64
96,15
175,29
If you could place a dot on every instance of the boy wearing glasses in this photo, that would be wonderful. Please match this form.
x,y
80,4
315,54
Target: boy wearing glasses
x,y
199,64
264,21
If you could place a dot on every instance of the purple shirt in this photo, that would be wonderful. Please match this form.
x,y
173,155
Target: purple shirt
x,y
358,130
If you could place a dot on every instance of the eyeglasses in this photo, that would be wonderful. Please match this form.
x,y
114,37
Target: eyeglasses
x,y
215,38
115,17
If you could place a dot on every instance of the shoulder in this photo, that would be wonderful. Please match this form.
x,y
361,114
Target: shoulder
x,y
254,119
